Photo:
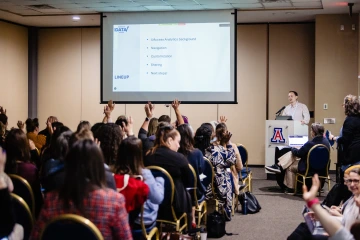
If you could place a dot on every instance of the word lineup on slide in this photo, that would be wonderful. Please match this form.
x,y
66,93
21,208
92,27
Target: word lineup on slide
x,y
171,57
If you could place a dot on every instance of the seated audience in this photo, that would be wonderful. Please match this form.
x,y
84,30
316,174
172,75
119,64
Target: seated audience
x,y
348,214
195,158
84,193
291,165
130,161
222,156
83,125
164,154
19,162
47,132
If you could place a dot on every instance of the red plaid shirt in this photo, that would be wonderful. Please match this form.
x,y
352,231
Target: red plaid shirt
x,y
104,207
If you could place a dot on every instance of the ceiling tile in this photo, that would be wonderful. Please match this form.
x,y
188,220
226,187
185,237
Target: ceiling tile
x,y
247,6
277,5
217,6
308,4
243,1
134,9
189,7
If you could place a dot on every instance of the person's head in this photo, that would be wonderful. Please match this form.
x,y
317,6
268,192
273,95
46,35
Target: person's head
x,y
96,126
84,172
17,149
220,132
56,125
110,136
4,119
32,125
292,96
60,145
130,157
83,125
317,129
203,136
166,136
164,118
353,181
351,105
153,125
187,140
211,127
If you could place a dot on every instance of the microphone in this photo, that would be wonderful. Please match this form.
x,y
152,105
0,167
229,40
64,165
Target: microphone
x,y
280,110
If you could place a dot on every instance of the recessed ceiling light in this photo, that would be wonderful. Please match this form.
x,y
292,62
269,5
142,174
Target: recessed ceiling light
x,y
76,18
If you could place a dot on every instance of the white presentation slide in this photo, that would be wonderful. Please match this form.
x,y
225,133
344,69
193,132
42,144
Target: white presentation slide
x,y
173,57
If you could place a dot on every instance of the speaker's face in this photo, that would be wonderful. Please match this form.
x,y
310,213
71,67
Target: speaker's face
x,y
292,98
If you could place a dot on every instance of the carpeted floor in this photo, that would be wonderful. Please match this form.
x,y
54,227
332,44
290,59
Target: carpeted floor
x,y
279,216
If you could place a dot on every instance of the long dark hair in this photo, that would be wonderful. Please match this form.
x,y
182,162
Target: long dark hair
x,y
220,131
187,140
130,157
163,133
17,149
84,172
202,138
59,143
110,136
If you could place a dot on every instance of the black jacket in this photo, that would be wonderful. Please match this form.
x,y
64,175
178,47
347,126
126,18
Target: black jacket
x,y
350,140
304,150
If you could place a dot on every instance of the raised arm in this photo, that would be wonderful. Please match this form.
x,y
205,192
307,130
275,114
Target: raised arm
x,y
175,105
149,110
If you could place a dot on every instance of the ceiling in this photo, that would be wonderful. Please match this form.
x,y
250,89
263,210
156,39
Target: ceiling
x,y
55,13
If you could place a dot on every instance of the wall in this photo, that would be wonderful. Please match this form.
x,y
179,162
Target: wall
x,y
336,67
291,64
14,71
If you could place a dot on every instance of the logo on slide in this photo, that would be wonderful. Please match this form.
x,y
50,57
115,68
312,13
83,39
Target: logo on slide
x,y
278,136
121,29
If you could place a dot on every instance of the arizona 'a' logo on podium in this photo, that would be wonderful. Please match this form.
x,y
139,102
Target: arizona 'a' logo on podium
x,y
278,136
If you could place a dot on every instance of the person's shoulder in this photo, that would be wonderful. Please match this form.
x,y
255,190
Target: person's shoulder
x,y
108,193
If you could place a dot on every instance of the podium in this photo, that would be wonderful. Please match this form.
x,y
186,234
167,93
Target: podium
x,y
277,134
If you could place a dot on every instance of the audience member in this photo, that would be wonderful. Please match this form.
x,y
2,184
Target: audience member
x,y
164,154
195,158
130,161
291,165
84,193
19,162
148,128
222,156
83,125
32,129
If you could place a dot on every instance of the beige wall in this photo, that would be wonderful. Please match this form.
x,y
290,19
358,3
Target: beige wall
x,y
14,71
336,67
291,64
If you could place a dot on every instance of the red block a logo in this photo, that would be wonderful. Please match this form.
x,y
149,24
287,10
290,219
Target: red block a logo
x,y
278,136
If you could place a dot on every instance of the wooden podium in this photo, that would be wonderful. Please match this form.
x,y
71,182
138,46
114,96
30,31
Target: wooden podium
x,y
277,134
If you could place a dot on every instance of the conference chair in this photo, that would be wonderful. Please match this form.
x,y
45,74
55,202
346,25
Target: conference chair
x,y
200,204
70,227
23,214
246,174
167,214
209,180
318,161
147,233
23,189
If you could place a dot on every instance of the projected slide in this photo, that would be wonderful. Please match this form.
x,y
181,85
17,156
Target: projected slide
x,y
173,57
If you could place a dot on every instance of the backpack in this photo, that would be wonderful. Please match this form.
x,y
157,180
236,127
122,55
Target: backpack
x,y
215,225
134,190
253,205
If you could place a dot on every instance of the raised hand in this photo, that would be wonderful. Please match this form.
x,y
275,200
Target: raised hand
x,y
149,108
111,105
128,129
107,111
175,104
2,110
20,125
223,119
226,137
310,195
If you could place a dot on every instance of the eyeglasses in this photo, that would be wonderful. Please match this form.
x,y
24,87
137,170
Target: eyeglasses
x,y
349,181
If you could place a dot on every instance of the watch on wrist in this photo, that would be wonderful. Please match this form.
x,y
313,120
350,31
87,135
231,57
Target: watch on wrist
x,y
147,119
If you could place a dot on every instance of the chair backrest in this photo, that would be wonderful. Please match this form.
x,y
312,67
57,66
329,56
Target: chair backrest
x,y
193,179
23,214
23,189
318,160
210,174
243,154
166,207
69,227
